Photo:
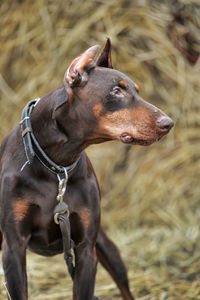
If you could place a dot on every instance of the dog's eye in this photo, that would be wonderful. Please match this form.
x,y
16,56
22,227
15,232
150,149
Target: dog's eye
x,y
116,90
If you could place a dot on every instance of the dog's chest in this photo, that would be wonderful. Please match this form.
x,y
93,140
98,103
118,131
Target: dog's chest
x,y
46,238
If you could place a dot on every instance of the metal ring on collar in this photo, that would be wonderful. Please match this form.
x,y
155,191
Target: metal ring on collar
x,y
60,213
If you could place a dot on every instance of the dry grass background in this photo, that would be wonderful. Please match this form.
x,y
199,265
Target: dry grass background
x,y
150,196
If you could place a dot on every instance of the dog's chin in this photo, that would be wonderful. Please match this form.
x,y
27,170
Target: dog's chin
x,y
130,140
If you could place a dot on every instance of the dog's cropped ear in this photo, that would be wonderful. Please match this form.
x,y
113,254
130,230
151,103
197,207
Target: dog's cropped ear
x,y
104,59
77,73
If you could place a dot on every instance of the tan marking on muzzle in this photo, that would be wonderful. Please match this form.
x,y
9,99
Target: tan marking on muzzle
x,y
97,109
85,214
136,121
20,208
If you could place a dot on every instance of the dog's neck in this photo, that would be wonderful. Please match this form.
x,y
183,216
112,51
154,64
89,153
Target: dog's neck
x,y
58,129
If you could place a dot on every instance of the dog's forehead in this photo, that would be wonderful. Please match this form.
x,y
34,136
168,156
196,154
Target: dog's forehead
x,y
111,77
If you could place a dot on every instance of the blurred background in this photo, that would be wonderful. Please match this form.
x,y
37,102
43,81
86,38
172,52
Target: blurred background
x,y
150,195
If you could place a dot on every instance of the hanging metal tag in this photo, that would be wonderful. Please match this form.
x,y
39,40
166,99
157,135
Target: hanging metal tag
x,y
62,184
62,207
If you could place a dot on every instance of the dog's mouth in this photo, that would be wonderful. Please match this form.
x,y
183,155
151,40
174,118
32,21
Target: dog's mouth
x,y
126,138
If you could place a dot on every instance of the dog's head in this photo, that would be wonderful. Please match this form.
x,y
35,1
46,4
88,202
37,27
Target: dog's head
x,y
109,101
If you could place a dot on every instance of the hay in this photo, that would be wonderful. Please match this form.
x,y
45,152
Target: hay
x,y
150,196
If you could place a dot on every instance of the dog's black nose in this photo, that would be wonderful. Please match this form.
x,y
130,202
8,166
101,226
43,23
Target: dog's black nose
x,y
165,123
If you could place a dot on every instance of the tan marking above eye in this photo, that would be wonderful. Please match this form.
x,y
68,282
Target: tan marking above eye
x,y
20,208
97,109
137,87
123,84
85,214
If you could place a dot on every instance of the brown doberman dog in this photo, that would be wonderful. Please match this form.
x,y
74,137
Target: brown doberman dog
x,y
95,104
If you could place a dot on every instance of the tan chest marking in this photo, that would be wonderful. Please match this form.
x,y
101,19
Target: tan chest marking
x,y
20,209
85,214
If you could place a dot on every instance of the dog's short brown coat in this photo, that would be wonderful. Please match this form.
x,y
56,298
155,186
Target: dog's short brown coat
x,y
103,104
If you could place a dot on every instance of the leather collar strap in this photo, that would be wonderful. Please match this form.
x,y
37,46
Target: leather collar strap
x,y
32,147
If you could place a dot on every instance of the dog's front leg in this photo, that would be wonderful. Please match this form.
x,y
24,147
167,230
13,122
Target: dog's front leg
x,y
14,265
85,272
